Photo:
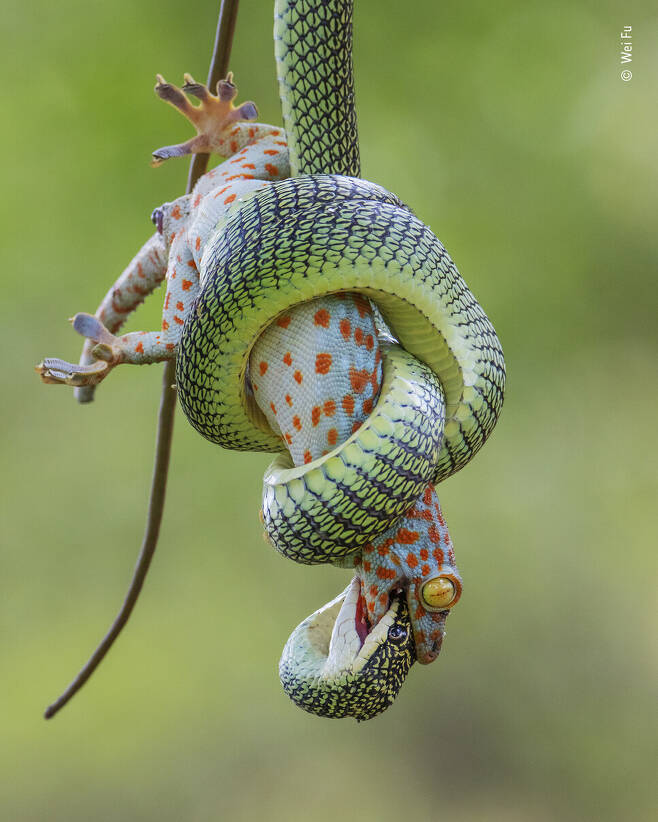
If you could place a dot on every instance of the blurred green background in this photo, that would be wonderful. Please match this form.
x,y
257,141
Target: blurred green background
x,y
508,129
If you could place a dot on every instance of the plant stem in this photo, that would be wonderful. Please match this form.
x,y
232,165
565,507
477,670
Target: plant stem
x,y
218,69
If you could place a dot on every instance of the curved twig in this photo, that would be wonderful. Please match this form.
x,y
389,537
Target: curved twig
x,y
218,69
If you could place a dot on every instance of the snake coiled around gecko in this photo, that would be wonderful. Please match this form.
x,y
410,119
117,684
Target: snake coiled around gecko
x,y
260,251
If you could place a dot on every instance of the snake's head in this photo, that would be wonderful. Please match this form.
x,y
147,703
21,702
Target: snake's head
x,y
335,665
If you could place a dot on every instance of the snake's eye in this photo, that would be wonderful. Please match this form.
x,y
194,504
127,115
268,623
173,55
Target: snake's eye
x,y
440,593
157,217
396,633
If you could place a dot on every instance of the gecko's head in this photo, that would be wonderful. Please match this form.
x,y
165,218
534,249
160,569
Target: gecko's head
x,y
170,218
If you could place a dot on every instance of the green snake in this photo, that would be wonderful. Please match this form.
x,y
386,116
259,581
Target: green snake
x,y
320,233
313,315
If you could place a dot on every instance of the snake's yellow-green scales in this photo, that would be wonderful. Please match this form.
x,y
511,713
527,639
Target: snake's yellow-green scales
x,y
313,315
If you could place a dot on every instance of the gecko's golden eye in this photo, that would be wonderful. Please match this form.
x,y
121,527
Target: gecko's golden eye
x,y
440,593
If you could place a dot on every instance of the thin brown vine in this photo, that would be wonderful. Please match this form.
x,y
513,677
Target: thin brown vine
x,y
218,69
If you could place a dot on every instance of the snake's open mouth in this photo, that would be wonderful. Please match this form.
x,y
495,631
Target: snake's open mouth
x,y
352,640
335,664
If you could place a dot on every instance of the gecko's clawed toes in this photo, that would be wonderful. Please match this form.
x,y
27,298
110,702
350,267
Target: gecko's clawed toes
x,y
226,88
198,90
212,118
60,372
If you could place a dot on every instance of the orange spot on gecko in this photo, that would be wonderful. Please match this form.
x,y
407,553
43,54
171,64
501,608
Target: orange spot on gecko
x,y
283,322
407,537
139,348
288,439
412,560
307,456
332,436
170,346
386,573
373,590
229,199
370,342
271,151
287,358
322,318
176,213
359,379
186,285
329,408
272,170
165,325
425,570
262,367
273,407
348,404
233,146
427,495
178,320
367,406
298,377
356,426
322,363
316,413
191,264
248,165
424,554
383,599
362,305
345,329
197,244
366,565
437,553
180,306
297,422
433,534
358,336
288,399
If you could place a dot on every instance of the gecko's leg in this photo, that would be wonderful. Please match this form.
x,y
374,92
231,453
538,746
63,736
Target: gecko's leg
x,y
140,347
212,119
141,277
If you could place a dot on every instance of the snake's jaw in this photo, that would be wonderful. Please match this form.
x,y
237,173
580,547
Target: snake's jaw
x,y
331,667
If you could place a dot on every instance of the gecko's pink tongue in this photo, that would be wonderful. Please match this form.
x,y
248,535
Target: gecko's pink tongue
x,y
360,619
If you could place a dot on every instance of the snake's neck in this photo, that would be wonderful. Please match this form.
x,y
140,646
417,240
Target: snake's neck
x,y
313,51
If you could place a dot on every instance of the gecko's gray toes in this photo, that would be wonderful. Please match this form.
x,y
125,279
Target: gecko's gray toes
x,y
60,372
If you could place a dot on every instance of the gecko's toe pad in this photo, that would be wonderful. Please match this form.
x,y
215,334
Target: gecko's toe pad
x,y
61,372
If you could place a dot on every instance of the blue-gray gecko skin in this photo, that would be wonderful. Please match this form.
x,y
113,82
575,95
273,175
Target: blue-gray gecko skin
x,y
314,316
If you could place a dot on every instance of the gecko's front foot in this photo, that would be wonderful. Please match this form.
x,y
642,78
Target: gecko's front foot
x,y
107,352
212,119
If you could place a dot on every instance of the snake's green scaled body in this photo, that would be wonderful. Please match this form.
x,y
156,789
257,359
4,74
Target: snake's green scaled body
x,y
325,232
